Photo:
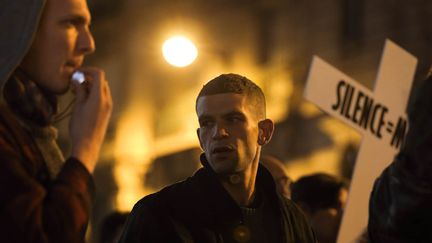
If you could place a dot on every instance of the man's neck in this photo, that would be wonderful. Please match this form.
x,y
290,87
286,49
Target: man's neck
x,y
241,186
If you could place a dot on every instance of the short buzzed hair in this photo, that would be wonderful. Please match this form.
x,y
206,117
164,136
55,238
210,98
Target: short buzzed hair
x,y
234,83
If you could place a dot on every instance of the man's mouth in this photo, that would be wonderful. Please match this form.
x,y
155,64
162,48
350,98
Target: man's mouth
x,y
222,149
74,64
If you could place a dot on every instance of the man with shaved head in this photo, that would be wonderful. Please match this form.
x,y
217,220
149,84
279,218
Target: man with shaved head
x,y
232,198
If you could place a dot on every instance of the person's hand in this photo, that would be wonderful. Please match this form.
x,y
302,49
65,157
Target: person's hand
x,y
90,116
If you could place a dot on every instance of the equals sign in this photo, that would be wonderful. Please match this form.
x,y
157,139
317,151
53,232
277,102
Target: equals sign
x,y
390,127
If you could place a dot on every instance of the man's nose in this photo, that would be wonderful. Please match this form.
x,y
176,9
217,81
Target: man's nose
x,y
86,44
220,132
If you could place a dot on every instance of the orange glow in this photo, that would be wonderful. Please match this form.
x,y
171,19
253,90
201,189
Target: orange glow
x,y
132,152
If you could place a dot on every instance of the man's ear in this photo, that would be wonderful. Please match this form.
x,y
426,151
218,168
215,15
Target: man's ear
x,y
266,128
199,138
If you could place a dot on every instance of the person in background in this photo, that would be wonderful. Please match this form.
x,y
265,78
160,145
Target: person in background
x,y
278,171
44,197
400,209
322,197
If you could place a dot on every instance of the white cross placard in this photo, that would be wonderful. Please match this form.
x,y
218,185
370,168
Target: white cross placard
x,y
379,115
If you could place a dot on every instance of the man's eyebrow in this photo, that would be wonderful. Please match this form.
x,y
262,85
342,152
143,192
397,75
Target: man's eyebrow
x,y
234,113
79,18
228,114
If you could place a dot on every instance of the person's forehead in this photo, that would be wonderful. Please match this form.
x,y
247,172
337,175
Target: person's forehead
x,y
221,103
64,8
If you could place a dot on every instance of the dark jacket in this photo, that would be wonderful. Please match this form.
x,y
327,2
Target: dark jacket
x,y
197,209
400,209
34,207
39,201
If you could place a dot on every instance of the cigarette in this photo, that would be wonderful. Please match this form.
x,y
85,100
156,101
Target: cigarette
x,y
78,76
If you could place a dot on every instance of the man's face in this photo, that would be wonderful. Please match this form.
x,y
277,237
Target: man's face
x,y
60,44
228,132
326,222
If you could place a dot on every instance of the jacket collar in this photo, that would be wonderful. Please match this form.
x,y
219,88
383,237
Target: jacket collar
x,y
202,199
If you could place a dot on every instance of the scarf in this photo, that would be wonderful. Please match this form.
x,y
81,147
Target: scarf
x,y
35,110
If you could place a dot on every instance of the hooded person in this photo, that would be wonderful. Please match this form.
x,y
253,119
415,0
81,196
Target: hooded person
x,y
400,207
43,196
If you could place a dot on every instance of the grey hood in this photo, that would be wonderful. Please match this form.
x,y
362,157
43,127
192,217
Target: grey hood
x,y
19,20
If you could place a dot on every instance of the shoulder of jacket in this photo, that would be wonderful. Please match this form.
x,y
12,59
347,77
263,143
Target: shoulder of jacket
x,y
163,196
291,208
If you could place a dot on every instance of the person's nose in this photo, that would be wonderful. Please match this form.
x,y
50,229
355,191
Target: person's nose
x,y
86,44
219,131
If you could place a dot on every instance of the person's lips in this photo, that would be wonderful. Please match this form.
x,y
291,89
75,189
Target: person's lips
x,y
222,149
73,64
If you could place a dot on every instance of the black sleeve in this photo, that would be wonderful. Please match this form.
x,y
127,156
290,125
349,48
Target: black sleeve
x,y
400,207
148,222
31,212
296,226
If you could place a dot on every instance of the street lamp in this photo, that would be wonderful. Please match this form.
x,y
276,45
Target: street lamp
x,y
179,51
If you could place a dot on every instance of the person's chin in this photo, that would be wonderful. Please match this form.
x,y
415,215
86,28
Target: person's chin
x,y
222,164
222,169
64,90
58,90
63,86
221,158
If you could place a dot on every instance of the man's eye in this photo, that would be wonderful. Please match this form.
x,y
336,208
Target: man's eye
x,y
72,22
69,23
234,119
204,123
